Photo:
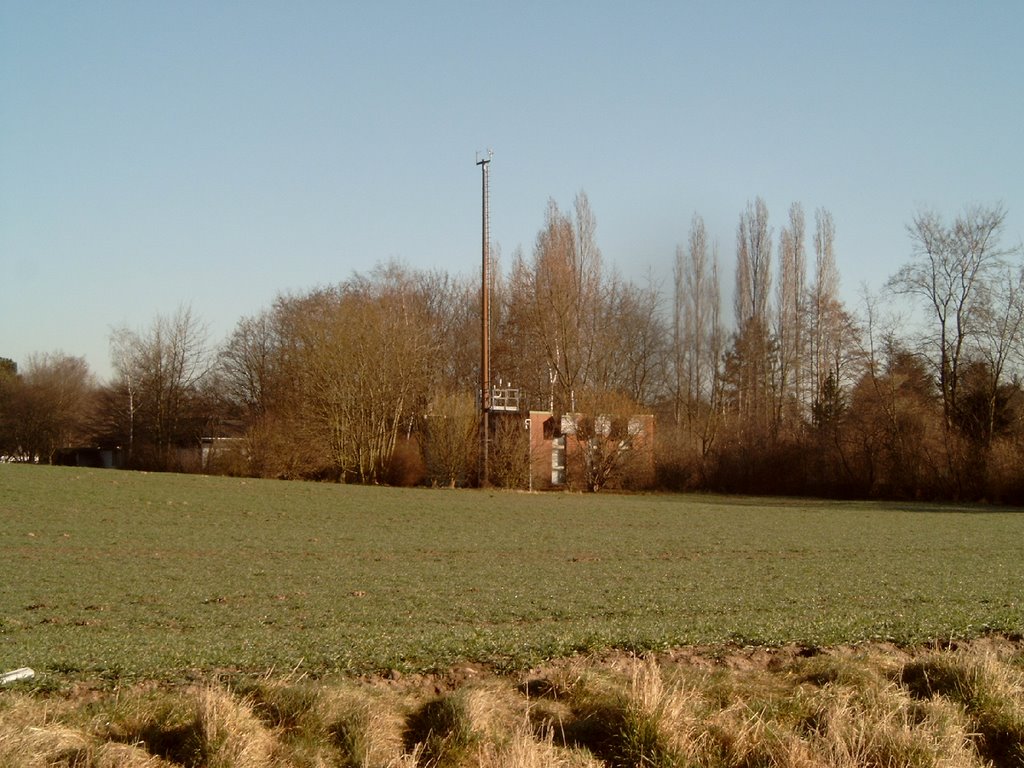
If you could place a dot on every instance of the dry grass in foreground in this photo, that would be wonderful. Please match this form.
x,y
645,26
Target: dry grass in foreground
x,y
865,706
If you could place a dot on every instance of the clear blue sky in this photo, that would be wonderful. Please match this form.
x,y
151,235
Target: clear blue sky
x,y
218,152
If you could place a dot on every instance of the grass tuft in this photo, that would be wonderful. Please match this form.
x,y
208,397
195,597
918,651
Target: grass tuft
x,y
282,704
990,690
112,755
452,726
161,721
46,745
229,733
364,726
879,726
526,749
632,716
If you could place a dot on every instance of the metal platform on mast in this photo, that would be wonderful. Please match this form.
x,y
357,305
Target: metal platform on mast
x,y
504,399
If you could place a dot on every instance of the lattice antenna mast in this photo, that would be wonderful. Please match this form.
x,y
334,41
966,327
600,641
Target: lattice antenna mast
x,y
485,318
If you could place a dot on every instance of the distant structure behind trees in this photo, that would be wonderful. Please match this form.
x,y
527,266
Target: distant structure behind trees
x,y
618,384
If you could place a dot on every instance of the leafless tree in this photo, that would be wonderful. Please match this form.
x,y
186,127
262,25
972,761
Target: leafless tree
x,y
45,407
357,359
790,314
559,305
951,272
996,351
697,338
510,452
634,345
824,302
450,440
753,265
453,309
248,364
751,361
518,352
157,373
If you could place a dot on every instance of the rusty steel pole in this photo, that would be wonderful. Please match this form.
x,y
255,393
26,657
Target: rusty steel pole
x,y
485,325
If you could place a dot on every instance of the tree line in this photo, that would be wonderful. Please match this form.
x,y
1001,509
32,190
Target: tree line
x,y
913,394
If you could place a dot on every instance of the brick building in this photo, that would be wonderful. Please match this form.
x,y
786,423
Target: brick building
x,y
587,453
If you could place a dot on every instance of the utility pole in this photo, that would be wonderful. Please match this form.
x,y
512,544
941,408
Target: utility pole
x,y
485,323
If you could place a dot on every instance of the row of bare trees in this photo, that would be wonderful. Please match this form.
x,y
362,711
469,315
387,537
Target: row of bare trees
x,y
375,379
912,399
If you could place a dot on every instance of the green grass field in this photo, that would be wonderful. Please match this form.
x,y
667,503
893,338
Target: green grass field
x,y
144,575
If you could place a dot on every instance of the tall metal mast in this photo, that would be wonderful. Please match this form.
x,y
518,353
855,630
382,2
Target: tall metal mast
x,y
485,322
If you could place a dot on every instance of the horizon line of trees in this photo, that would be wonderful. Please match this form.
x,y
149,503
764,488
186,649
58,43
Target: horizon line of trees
x,y
916,394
